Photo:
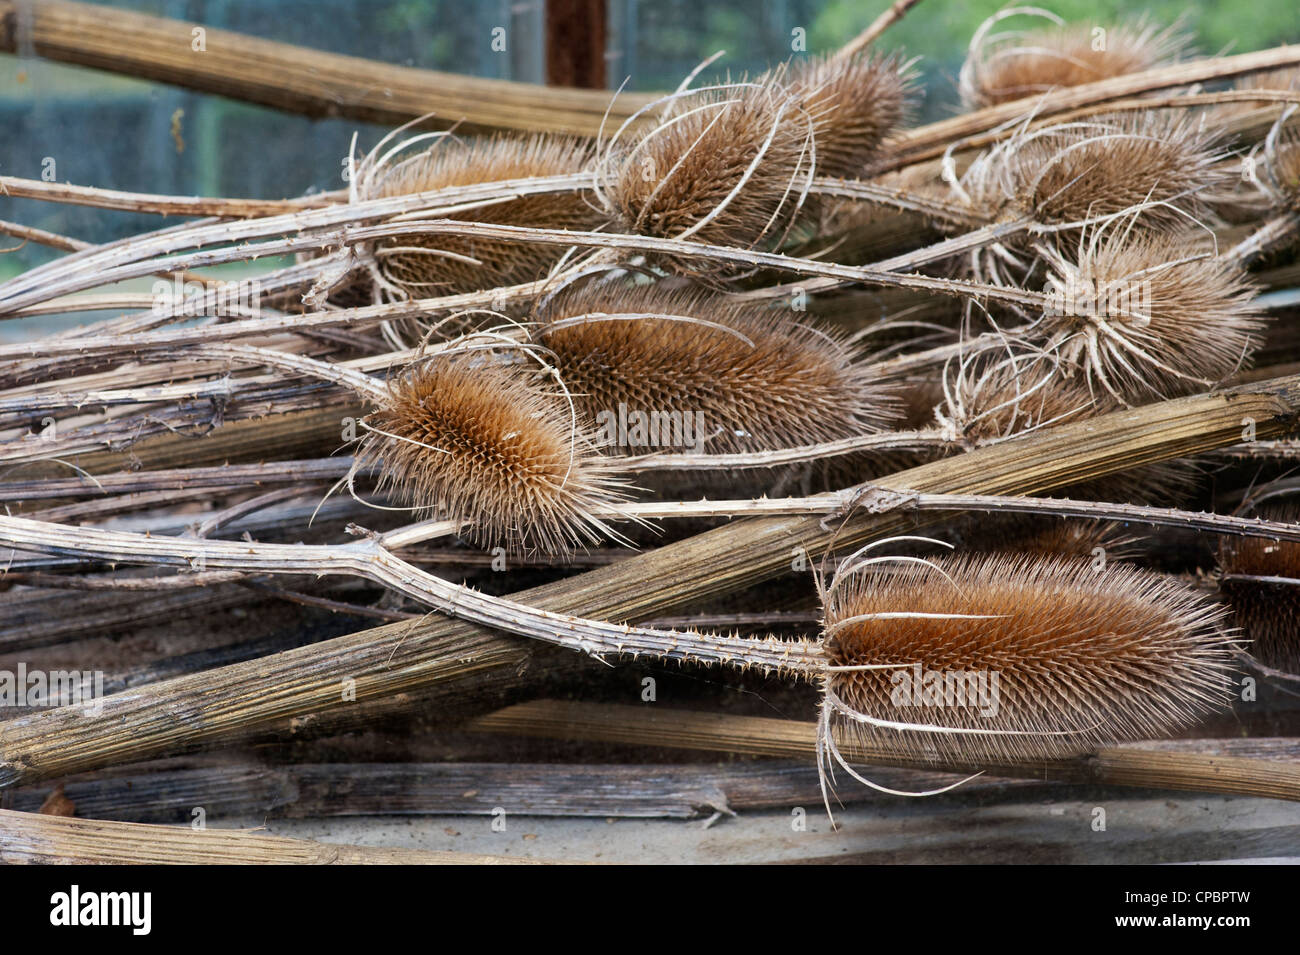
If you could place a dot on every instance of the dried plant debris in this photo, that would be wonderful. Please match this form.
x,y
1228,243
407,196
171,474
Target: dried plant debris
x,y
696,335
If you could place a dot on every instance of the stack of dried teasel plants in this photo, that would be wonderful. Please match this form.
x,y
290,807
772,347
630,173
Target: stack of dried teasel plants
x,y
758,379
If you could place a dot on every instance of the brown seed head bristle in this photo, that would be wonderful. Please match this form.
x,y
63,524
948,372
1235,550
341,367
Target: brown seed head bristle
x,y
1146,317
855,102
1268,613
426,266
752,378
1095,541
1079,172
725,167
481,442
1000,67
1100,657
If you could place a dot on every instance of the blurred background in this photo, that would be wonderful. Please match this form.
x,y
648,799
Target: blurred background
x,y
110,131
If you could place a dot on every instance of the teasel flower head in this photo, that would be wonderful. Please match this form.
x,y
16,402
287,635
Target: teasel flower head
x,y
1014,64
1260,580
461,437
855,102
751,377
1002,658
726,165
1153,169
424,266
1144,317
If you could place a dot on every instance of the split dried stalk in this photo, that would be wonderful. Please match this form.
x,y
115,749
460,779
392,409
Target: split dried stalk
x,y
295,78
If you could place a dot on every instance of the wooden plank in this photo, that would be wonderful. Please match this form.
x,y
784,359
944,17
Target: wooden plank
x,y
293,78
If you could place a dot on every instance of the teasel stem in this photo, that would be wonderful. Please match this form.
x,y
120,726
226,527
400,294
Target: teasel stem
x,y
1277,231
929,142
884,441
878,26
95,197
369,559
63,273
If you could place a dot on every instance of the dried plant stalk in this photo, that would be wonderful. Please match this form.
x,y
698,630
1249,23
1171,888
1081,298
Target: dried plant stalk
x,y
31,838
1130,765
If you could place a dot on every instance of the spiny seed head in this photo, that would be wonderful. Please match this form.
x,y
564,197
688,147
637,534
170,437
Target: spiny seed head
x,y
1282,166
1147,317
1008,66
1095,541
1268,613
481,442
988,400
421,266
1078,172
725,166
1099,656
855,102
754,378
991,400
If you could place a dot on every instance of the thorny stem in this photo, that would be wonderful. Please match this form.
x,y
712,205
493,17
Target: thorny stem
x,y
367,558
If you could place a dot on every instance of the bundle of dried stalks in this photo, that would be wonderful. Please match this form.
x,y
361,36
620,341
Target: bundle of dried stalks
x,y
537,303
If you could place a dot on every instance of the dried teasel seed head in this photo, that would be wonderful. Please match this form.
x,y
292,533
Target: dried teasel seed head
x,y
1261,582
727,166
483,442
990,398
855,102
742,377
1145,317
1052,654
1281,165
422,266
1160,163
1011,65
